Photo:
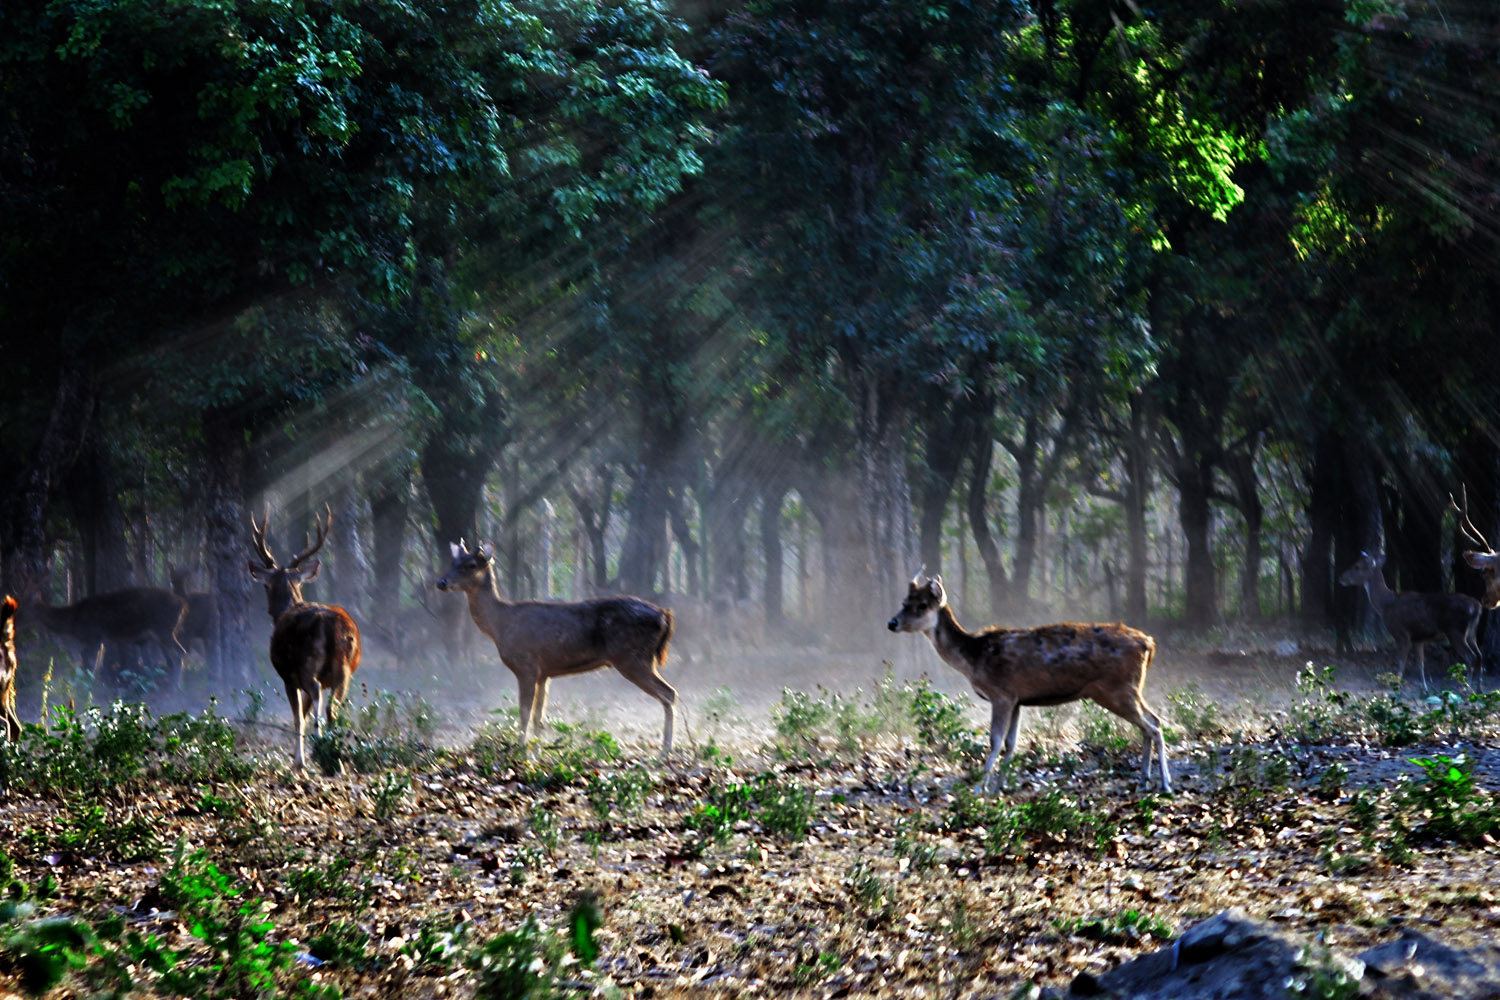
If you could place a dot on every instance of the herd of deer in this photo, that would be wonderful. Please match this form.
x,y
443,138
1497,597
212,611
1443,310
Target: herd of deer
x,y
316,647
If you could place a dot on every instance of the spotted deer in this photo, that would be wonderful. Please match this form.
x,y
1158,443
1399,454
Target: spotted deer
x,y
313,646
1414,619
12,728
540,640
1046,665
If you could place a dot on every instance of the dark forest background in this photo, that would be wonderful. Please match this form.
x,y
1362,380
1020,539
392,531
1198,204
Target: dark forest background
x,y
1158,312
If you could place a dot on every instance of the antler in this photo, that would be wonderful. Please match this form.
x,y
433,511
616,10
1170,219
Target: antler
x,y
258,532
1466,526
322,529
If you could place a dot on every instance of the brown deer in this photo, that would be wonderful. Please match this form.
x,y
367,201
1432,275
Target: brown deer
x,y
1046,665
540,640
202,619
1486,560
133,616
8,714
1414,619
313,646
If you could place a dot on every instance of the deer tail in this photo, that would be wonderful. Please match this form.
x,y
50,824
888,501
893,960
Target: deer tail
x,y
660,656
1150,655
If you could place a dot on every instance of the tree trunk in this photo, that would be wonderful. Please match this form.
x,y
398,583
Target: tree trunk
x,y
1194,483
770,543
884,512
724,509
980,463
1240,467
594,519
1324,491
947,441
643,553
24,543
349,584
684,535
388,509
93,495
227,543
1137,490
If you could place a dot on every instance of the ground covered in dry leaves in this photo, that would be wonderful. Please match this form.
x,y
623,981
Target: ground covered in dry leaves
x,y
843,854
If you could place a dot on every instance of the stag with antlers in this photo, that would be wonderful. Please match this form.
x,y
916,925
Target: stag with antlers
x,y
1486,559
313,646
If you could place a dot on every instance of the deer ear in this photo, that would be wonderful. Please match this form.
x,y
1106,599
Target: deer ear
x,y
935,586
257,572
1480,560
308,571
456,549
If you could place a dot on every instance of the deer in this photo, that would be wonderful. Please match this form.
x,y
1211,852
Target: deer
x,y
1486,559
540,640
1044,665
313,646
1414,619
132,616
12,728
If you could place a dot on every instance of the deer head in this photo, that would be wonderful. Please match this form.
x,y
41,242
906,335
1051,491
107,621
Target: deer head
x,y
1366,569
919,612
470,570
1486,560
284,583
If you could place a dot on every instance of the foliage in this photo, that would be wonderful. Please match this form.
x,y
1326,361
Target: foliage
x,y
782,808
105,749
529,961
1124,927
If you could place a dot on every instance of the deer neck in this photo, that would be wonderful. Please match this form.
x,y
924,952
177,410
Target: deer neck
x,y
487,607
950,639
1380,595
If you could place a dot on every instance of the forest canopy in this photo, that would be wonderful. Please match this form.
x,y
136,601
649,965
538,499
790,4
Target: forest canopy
x,y
1147,312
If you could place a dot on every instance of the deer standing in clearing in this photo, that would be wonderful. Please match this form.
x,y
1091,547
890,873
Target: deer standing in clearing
x,y
313,646
540,640
1046,665
129,617
12,721
1414,619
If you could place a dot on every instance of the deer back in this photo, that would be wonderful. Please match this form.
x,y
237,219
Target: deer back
x,y
1053,664
128,615
564,636
320,636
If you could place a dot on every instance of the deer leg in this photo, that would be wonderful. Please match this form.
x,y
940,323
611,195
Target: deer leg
x,y
1419,649
539,711
181,659
299,722
315,705
527,696
336,697
1012,732
649,681
1005,714
1131,707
